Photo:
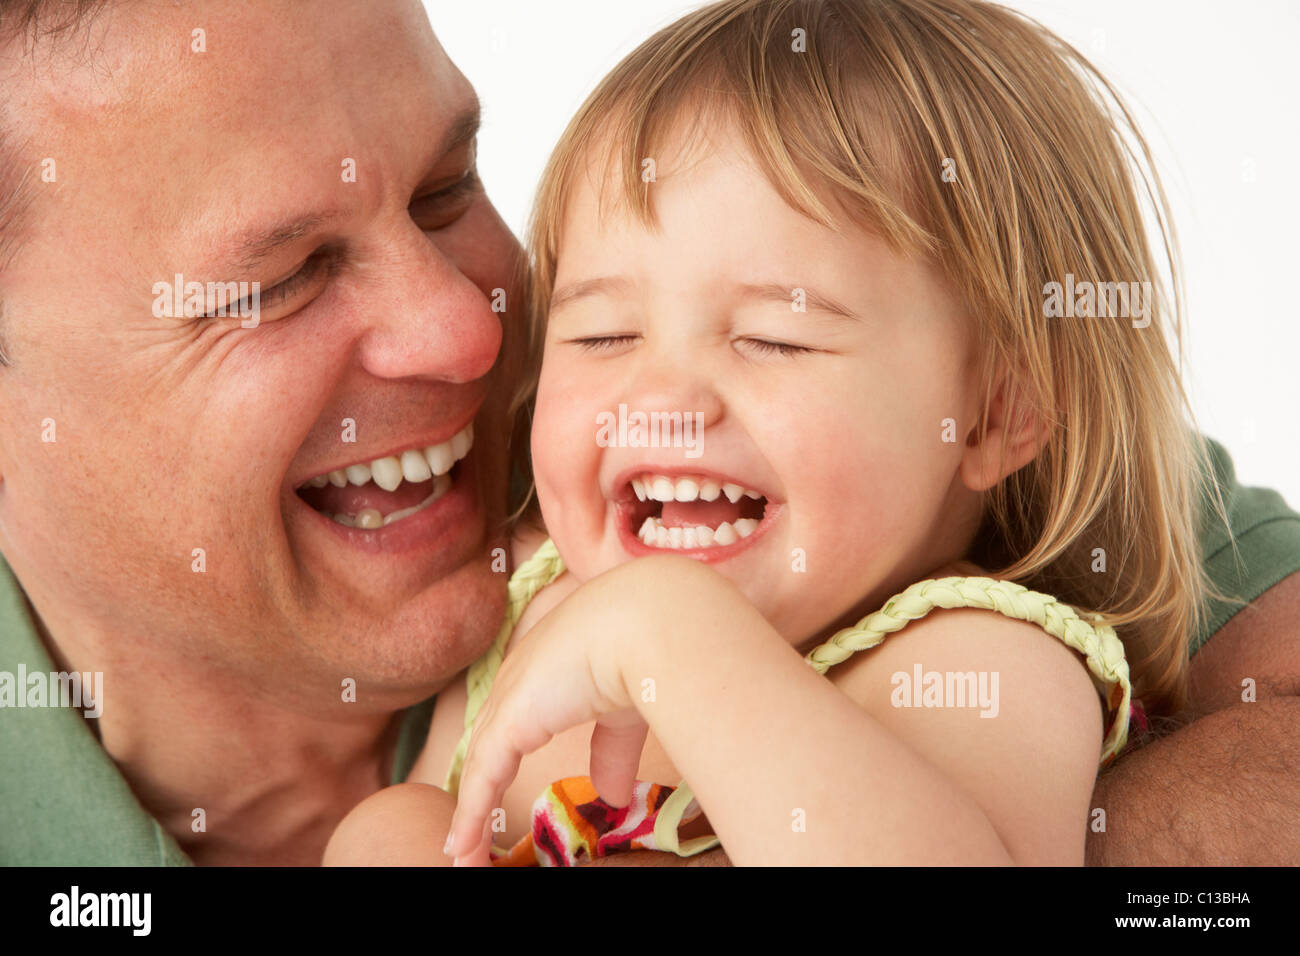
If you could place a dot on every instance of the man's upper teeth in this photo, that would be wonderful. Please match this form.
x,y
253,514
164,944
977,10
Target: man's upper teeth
x,y
414,464
664,488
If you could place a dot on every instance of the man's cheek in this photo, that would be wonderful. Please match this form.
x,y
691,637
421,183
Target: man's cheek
x,y
109,549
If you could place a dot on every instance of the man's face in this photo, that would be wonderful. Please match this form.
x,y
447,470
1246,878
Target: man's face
x,y
325,151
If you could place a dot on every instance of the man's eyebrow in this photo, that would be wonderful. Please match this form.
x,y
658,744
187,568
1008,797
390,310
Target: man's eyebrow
x,y
602,285
781,292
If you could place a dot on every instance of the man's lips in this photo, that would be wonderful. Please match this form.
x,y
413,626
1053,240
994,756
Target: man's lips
x,y
448,529
386,490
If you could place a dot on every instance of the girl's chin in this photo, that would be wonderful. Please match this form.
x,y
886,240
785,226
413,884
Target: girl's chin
x,y
791,624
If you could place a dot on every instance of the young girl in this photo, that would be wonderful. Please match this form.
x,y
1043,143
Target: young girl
x,y
825,234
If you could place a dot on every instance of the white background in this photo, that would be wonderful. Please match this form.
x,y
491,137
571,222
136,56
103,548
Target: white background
x,y
1214,87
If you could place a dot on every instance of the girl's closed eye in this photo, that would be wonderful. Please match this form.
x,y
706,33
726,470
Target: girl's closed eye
x,y
769,347
603,343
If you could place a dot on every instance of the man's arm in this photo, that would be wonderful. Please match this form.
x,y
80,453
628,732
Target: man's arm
x,y
1224,790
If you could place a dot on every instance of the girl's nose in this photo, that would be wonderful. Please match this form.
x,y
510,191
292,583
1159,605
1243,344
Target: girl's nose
x,y
672,382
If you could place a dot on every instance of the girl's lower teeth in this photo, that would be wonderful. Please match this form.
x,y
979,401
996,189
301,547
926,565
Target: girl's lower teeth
x,y
370,518
653,534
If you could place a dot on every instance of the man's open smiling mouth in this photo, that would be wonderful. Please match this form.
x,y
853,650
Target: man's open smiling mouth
x,y
378,493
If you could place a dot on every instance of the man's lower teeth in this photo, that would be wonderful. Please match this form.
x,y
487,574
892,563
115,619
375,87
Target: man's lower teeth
x,y
370,518
655,535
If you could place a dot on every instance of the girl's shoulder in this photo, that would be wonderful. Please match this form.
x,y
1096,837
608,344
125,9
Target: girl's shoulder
x,y
959,624
1002,707
960,613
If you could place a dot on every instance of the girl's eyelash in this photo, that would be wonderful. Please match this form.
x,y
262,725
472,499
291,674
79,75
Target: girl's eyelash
x,y
777,348
601,343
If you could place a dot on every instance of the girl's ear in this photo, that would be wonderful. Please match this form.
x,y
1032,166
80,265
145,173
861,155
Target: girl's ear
x,y
1011,417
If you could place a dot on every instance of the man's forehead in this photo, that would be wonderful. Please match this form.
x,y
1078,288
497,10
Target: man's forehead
x,y
280,96
246,60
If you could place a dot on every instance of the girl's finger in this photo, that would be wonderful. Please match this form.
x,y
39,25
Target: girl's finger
x,y
615,755
480,855
490,766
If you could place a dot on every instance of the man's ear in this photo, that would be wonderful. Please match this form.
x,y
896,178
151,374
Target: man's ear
x,y
1010,416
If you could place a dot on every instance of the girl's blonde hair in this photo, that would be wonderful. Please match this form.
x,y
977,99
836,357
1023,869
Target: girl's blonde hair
x,y
970,134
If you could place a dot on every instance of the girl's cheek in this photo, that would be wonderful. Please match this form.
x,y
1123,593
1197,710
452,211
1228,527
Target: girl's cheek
x,y
546,444
563,443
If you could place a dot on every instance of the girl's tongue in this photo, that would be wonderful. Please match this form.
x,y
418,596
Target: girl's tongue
x,y
690,514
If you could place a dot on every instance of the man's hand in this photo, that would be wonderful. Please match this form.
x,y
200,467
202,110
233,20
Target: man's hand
x,y
1224,790
716,857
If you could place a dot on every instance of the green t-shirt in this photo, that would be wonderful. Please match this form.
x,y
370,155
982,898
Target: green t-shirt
x,y
62,800
64,803
1267,535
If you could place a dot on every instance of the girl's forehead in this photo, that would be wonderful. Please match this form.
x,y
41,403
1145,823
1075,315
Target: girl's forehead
x,y
704,154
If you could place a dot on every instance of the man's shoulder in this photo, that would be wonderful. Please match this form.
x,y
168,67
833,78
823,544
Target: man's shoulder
x,y
63,800
1257,548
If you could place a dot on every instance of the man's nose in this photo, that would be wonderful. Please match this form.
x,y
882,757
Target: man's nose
x,y
429,319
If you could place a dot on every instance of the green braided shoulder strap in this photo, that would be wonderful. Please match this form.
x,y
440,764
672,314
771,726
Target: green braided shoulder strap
x,y
1094,639
530,577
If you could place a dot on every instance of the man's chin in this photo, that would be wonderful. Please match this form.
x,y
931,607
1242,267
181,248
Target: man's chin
x,y
405,607
404,653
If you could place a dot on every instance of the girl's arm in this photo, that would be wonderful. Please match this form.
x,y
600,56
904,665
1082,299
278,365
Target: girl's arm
x,y
791,767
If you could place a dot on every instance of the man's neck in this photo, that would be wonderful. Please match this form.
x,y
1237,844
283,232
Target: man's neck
x,y
234,779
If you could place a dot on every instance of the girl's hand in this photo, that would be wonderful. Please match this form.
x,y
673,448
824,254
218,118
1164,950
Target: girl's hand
x,y
567,670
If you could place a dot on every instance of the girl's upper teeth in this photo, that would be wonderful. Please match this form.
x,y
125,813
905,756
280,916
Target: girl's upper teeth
x,y
664,488
414,465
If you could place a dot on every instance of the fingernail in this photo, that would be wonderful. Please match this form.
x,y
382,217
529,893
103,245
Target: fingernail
x,y
446,847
